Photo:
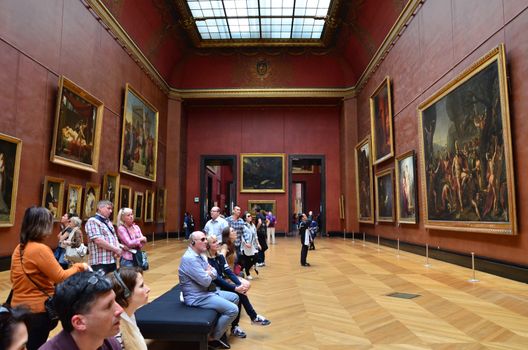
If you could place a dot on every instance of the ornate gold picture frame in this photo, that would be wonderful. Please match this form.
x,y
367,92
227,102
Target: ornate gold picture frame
x,y
53,196
138,205
364,182
74,199
381,122
139,141
161,205
77,131
262,172
92,194
466,151
406,188
110,191
263,204
125,197
149,206
385,196
10,153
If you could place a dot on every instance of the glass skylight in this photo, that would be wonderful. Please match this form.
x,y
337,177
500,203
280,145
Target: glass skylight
x,y
259,19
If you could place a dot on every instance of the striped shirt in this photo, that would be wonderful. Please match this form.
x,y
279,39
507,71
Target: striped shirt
x,y
95,228
238,226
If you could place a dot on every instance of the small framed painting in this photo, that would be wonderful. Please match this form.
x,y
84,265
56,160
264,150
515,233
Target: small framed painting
x,y
149,206
92,193
111,193
161,202
10,150
53,196
138,205
125,197
385,196
73,202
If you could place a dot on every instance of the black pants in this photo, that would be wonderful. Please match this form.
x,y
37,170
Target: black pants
x,y
39,326
107,268
247,262
244,301
304,254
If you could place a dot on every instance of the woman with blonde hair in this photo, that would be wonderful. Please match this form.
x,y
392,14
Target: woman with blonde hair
x,y
34,273
130,236
131,293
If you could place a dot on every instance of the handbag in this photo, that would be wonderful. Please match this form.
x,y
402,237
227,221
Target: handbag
x,y
140,258
48,303
75,254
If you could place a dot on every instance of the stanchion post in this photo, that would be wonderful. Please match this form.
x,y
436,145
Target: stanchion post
x,y
153,239
473,280
167,236
364,239
353,237
427,256
378,243
398,249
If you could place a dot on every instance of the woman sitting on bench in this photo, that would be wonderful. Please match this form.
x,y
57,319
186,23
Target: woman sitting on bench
x,y
228,281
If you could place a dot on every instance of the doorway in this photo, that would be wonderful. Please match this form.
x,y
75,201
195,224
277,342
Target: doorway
x,y
218,179
307,191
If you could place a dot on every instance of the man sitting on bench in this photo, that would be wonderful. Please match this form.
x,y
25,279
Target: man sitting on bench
x,y
196,276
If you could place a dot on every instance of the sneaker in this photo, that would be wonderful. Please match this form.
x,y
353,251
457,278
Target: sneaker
x,y
238,332
249,277
259,264
261,320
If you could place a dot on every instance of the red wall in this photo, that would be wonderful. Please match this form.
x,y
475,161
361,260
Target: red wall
x,y
442,40
233,130
39,41
312,189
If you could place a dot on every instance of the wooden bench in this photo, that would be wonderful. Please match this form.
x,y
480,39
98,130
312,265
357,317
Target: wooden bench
x,y
167,318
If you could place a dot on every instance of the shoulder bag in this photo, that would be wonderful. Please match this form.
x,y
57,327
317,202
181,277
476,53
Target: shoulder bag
x,y
48,303
75,254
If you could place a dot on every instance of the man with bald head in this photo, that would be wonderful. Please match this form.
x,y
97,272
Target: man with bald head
x,y
216,225
196,281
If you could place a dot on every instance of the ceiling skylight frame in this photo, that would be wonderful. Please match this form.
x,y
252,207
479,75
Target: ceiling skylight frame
x,y
275,28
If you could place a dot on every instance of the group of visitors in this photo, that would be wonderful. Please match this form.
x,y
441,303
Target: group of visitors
x,y
95,301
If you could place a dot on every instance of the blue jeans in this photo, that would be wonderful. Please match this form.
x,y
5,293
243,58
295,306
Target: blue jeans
x,y
225,303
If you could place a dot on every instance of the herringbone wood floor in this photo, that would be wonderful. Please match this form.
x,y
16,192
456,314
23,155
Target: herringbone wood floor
x,y
341,301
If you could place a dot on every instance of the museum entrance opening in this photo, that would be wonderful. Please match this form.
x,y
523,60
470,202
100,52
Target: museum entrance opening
x,y
307,191
218,179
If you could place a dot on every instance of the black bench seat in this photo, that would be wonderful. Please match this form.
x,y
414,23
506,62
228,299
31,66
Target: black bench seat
x,y
167,318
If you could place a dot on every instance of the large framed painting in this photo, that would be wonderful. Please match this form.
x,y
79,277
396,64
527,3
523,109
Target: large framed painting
x,y
74,199
10,151
92,194
262,172
385,196
381,122
138,205
265,205
77,132
466,158
406,194
303,169
53,196
149,206
125,197
161,204
111,192
139,142
364,185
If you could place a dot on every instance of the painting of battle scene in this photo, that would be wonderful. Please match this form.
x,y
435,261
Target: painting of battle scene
x,y
466,147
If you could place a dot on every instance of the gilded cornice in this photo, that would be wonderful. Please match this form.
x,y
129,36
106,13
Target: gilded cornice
x,y
121,36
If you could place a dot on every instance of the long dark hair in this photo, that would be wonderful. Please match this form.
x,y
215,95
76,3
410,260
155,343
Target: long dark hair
x,y
36,224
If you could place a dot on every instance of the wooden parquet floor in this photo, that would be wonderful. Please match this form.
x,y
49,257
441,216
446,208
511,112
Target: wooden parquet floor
x,y
341,301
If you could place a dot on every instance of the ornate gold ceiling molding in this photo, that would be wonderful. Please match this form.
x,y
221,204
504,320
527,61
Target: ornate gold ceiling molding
x,y
388,43
187,94
101,12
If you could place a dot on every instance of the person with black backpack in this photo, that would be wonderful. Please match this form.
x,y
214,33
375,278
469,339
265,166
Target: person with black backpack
x,y
260,220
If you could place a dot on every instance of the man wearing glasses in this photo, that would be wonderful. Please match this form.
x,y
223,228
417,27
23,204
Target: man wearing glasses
x,y
216,225
196,277
89,314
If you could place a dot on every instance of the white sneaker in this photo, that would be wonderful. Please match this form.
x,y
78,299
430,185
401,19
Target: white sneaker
x,y
261,320
249,277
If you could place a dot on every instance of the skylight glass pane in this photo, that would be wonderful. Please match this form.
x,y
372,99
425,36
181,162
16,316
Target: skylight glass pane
x,y
243,19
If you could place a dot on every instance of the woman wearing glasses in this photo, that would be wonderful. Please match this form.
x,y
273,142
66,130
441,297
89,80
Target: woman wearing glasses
x,y
131,293
34,273
227,280
249,245
13,330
